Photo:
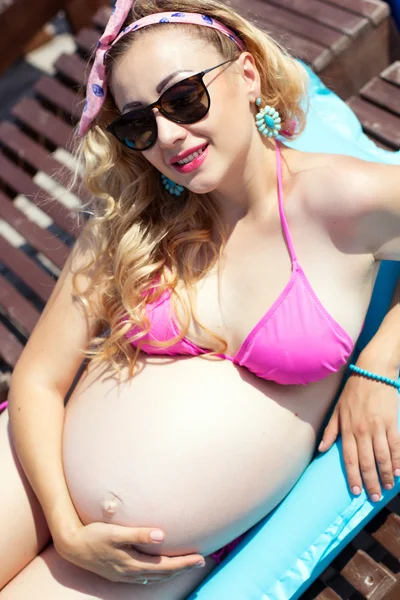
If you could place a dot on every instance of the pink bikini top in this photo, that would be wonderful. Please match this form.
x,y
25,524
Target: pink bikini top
x,y
295,342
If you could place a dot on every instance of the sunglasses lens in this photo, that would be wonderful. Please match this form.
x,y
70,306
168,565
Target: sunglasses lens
x,y
137,132
186,102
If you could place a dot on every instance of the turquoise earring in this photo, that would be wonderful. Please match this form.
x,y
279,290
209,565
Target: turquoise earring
x,y
268,120
173,188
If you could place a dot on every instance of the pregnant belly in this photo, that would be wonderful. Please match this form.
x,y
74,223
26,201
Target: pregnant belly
x,y
198,447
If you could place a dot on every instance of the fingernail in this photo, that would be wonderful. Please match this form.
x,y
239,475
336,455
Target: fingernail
x,y
157,536
200,564
397,472
321,445
375,498
388,486
356,490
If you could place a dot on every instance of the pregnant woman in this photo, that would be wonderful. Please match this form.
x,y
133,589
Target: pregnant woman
x,y
217,291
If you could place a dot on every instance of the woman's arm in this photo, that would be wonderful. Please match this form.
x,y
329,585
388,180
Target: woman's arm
x,y
40,382
360,206
385,345
366,413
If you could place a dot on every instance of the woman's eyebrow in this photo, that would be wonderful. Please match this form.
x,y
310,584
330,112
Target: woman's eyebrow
x,y
167,79
159,88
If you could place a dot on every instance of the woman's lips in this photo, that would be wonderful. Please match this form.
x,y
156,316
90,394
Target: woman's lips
x,y
194,164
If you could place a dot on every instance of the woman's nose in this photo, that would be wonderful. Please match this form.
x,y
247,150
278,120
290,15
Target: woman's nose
x,y
169,133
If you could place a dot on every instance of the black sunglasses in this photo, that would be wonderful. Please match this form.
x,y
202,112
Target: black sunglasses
x,y
187,101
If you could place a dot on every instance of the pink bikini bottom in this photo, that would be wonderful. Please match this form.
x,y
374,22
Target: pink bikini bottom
x,y
220,554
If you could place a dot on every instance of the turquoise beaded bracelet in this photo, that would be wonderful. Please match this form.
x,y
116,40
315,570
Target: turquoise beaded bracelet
x,y
380,378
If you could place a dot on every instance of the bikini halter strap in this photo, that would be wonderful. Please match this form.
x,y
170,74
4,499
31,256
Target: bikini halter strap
x,y
280,204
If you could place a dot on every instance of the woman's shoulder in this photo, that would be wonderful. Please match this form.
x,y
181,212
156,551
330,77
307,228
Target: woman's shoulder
x,y
321,165
332,185
356,200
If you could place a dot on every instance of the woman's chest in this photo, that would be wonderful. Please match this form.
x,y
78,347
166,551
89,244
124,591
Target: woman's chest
x,y
263,274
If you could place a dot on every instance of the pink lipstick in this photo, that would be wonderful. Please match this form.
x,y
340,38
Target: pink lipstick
x,y
195,162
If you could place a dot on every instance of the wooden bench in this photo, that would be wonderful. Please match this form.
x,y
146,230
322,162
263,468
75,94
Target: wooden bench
x,y
33,250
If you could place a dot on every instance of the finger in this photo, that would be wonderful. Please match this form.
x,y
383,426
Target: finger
x,y
368,468
165,564
331,432
393,437
383,458
135,574
122,536
138,570
154,578
143,578
351,462
151,579
163,575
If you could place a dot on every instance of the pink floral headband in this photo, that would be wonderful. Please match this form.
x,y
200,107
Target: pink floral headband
x,y
97,86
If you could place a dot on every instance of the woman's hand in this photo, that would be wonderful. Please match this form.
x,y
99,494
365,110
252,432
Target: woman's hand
x,y
366,415
107,550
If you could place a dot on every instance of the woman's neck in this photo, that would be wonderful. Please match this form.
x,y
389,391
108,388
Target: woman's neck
x,y
247,188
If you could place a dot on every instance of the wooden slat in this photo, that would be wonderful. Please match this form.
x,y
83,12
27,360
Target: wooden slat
x,y
375,11
86,40
73,68
29,151
19,23
327,14
80,12
388,535
382,93
369,578
325,36
394,593
334,16
26,149
380,144
59,96
5,378
21,183
311,52
367,56
392,73
101,17
377,122
10,347
328,594
18,310
41,121
26,269
39,238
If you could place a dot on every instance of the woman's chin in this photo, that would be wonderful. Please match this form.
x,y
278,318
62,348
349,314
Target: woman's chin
x,y
203,187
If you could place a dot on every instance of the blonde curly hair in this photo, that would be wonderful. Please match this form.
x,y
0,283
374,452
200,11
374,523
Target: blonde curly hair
x,y
142,240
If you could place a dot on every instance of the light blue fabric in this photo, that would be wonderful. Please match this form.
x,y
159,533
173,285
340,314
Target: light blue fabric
x,y
283,554
395,9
